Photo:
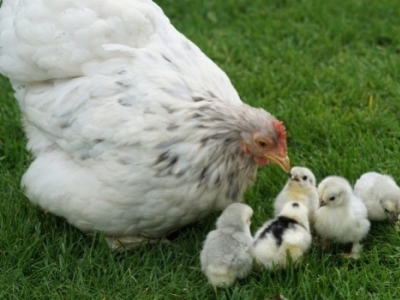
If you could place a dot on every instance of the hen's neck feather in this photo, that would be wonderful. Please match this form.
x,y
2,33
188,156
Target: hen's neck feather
x,y
208,144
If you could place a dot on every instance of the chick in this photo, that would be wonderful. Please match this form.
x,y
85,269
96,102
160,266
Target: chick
x,y
381,196
301,187
227,251
286,235
342,217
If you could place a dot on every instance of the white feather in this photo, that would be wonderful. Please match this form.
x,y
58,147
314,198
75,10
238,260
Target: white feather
x,y
380,194
342,216
300,187
110,94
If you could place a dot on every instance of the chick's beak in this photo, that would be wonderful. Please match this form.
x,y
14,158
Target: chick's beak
x,y
295,178
281,160
321,203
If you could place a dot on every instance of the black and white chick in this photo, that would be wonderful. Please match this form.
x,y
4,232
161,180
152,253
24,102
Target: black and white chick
x,y
301,187
381,196
227,251
286,235
341,217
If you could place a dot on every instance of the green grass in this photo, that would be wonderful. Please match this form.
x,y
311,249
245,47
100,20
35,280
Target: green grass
x,y
329,69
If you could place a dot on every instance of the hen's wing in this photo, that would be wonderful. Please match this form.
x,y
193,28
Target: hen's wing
x,y
98,74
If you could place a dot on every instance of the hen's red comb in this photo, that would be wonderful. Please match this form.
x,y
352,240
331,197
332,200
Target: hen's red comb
x,y
281,131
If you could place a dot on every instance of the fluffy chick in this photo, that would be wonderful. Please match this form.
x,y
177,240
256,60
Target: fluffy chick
x,y
342,217
381,196
286,235
227,251
301,187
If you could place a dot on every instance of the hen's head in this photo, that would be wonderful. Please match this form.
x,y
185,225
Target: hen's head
x,y
267,144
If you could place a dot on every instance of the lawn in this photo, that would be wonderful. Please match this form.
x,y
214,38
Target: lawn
x,y
329,69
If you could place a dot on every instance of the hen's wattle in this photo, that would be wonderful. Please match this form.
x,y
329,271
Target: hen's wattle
x,y
134,130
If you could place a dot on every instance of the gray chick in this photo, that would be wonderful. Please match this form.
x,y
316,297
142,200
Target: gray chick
x,y
227,251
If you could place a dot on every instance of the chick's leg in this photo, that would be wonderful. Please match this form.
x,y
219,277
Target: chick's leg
x,y
325,244
397,225
355,251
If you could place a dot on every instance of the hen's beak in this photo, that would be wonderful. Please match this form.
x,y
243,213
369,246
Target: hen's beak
x,y
282,161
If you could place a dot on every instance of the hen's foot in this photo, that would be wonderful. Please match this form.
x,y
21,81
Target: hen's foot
x,y
124,243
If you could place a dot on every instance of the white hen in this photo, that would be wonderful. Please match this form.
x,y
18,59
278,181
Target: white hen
x,y
286,237
300,187
380,194
342,216
227,251
135,132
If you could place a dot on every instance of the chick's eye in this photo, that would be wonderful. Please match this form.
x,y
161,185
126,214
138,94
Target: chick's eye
x,y
386,210
304,177
332,198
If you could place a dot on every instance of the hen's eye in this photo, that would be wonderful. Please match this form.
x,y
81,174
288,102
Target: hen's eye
x,y
332,198
304,177
262,144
